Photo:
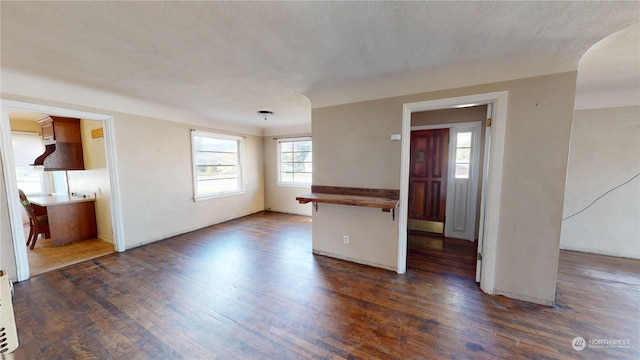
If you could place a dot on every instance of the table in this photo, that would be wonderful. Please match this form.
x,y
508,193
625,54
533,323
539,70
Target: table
x,y
71,218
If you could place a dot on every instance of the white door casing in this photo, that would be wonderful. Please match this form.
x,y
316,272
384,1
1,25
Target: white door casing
x,y
484,192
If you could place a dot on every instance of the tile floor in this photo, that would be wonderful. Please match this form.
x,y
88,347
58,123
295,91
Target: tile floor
x,y
46,257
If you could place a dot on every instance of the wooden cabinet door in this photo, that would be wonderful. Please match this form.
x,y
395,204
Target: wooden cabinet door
x,y
48,133
428,179
63,139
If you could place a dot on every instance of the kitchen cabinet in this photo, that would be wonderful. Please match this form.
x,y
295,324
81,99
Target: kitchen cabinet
x,y
71,218
63,144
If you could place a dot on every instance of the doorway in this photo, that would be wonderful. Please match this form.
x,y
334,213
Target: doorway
x,y
113,213
445,146
491,182
92,183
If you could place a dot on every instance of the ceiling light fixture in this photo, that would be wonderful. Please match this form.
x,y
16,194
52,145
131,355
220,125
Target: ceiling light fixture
x,y
265,114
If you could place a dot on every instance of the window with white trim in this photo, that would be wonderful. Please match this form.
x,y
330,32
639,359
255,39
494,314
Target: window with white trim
x,y
217,164
27,147
294,161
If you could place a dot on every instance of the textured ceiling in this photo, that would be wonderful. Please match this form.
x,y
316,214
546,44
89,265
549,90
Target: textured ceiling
x,y
226,60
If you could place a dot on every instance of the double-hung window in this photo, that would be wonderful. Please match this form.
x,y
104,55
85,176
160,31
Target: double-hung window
x,y
294,161
217,164
27,147
33,180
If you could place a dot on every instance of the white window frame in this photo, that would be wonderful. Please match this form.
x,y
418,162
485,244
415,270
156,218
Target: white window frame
x,y
279,170
31,136
241,184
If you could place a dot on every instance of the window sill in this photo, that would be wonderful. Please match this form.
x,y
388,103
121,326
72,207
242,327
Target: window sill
x,y
298,185
218,196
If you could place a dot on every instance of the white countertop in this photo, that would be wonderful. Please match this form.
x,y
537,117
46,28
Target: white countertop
x,y
50,200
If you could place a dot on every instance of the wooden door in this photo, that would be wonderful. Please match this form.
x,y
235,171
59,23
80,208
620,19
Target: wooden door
x,y
428,180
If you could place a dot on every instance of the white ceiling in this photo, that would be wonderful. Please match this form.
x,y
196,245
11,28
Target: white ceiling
x,y
226,60
609,72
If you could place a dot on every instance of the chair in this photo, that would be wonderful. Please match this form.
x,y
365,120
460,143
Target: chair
x,y
37,224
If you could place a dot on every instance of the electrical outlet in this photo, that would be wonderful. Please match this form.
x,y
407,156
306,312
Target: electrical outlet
x,y
345,239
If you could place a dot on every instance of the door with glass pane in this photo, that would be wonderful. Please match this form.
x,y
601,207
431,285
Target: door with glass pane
x,y
462,195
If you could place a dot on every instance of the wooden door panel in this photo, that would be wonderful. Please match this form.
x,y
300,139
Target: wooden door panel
x,y
419,160
460,195
417,200
433,200
440,147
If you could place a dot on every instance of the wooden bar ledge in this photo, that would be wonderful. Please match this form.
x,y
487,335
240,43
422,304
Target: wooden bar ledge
x,y
385,199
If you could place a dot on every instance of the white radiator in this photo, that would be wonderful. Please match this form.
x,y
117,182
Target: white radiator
x,y
8,333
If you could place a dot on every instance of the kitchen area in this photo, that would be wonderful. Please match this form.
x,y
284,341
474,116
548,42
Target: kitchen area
x,y
61,167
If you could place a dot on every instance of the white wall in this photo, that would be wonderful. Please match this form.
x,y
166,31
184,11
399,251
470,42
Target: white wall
x,y
601,212
352,148
276,197
156,181
95,177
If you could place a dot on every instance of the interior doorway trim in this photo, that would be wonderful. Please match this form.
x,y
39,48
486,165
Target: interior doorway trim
x,y
490,199
9,172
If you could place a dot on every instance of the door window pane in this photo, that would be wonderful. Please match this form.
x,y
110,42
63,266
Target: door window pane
x,y
463,155
464,139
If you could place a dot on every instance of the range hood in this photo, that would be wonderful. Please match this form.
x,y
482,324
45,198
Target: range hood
x,y
49,149
63,144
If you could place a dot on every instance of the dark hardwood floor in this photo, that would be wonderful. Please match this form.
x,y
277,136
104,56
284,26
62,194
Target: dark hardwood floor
x,y
251,289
